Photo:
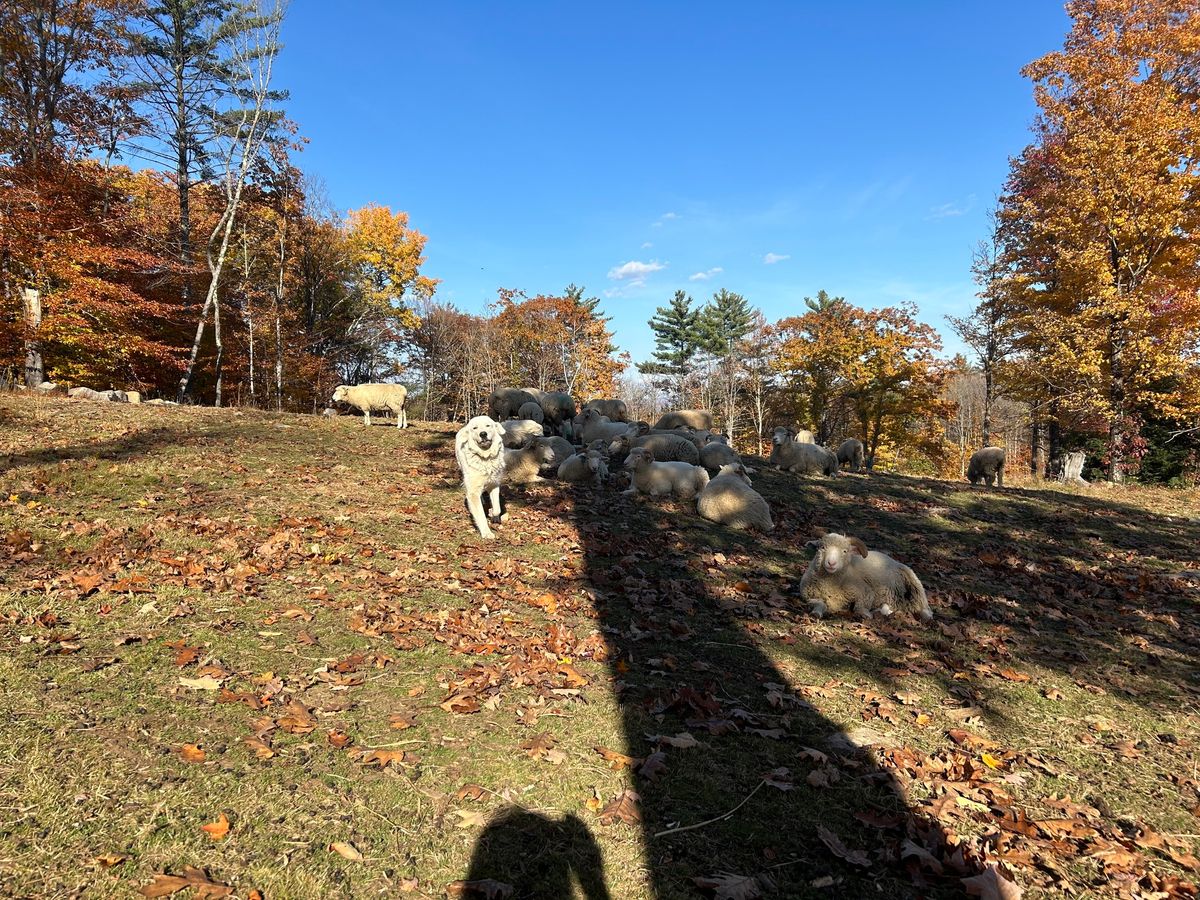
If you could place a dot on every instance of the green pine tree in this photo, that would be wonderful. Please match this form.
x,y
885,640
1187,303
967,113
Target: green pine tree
x,y
823,301
677,340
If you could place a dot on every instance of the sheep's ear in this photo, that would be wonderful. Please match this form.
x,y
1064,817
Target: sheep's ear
x,y
859,546
813,544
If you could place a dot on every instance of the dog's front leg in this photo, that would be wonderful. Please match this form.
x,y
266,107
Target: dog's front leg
x,y
475,505
498,514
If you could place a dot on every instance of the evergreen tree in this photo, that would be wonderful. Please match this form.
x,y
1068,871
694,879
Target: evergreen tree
x,y
723,322
823,302
677,339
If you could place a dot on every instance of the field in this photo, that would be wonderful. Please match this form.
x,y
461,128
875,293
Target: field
x,y
264,655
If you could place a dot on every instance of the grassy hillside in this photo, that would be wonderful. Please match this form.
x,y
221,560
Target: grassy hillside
x,y
287,624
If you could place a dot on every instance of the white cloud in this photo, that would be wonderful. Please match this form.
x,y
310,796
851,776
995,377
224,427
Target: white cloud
x,y
704,276
771,258
665,217
950,210
647,245
634,269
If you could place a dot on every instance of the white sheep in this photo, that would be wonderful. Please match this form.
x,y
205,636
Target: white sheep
x,y
616,410
665,447
519,431
524,465
851,451
805,459
729,500
586,465
843,574
369,397
661,479
85,393
594,426
797,435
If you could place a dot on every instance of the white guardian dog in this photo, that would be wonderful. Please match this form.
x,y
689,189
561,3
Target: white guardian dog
x,y
479,448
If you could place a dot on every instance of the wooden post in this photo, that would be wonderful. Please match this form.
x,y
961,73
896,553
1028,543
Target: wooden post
x,y
35,371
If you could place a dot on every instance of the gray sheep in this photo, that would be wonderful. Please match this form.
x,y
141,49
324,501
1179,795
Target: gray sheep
x,y
563,449
504,403
519,431
987,465
665,447
557,407
699,419
532,412
586,465
616,410
524,465
804,459
843,575
717,453
370,397
851,452
729,500
662,479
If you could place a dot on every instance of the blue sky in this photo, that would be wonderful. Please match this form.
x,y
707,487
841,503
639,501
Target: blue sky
x,y
636,148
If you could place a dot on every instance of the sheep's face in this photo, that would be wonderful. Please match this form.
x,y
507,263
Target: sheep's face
x,y
589,415
639,458
640,428
545,453
781,435
594,461
834,552
340,394
618,445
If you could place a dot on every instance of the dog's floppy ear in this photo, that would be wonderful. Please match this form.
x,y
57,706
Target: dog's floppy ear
x,y
859,546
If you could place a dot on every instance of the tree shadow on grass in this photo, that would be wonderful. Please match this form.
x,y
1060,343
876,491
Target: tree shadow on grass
x,y
742,778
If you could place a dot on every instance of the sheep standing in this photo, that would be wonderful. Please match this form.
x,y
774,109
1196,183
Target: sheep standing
x,y
843,574
662,479
558,409
586,465
692,418
524,465
804,459
369,397
531,412
505,402
616,410
519,431
729,500
851,451
987,465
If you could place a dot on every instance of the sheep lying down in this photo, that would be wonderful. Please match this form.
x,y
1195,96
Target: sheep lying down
x,y
844,575
663,479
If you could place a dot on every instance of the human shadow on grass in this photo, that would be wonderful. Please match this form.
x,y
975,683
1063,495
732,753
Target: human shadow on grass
x,y
741,777
537,858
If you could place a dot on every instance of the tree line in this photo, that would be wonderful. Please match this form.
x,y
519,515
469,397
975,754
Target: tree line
x,y
158,233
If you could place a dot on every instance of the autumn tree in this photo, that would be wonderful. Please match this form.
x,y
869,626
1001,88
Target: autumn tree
x,y
815,353
720,327
1121,310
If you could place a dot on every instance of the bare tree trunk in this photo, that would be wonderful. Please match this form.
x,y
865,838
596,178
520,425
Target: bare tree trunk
x,y
217,370
35,370
1037,449
1116,428
278,362
249,311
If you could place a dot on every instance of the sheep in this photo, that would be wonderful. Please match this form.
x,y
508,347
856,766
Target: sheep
x,y
327,413
558,409
368,397
729,500
661,479
86,393
616,410
786,433
563,449
987,465
665,447
505,402
524,465
594,426
693,418
518,431
583,466
803,436
805,459
532,412
851,451
844,574
716,454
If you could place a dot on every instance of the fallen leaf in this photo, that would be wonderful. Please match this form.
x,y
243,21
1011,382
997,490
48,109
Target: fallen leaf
x,y
346,851
470,791
204,683
622,807
616,760
470,818
205,888
991,885
484,889
727,886
218,829
840,850
338,739
192,753
108,860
